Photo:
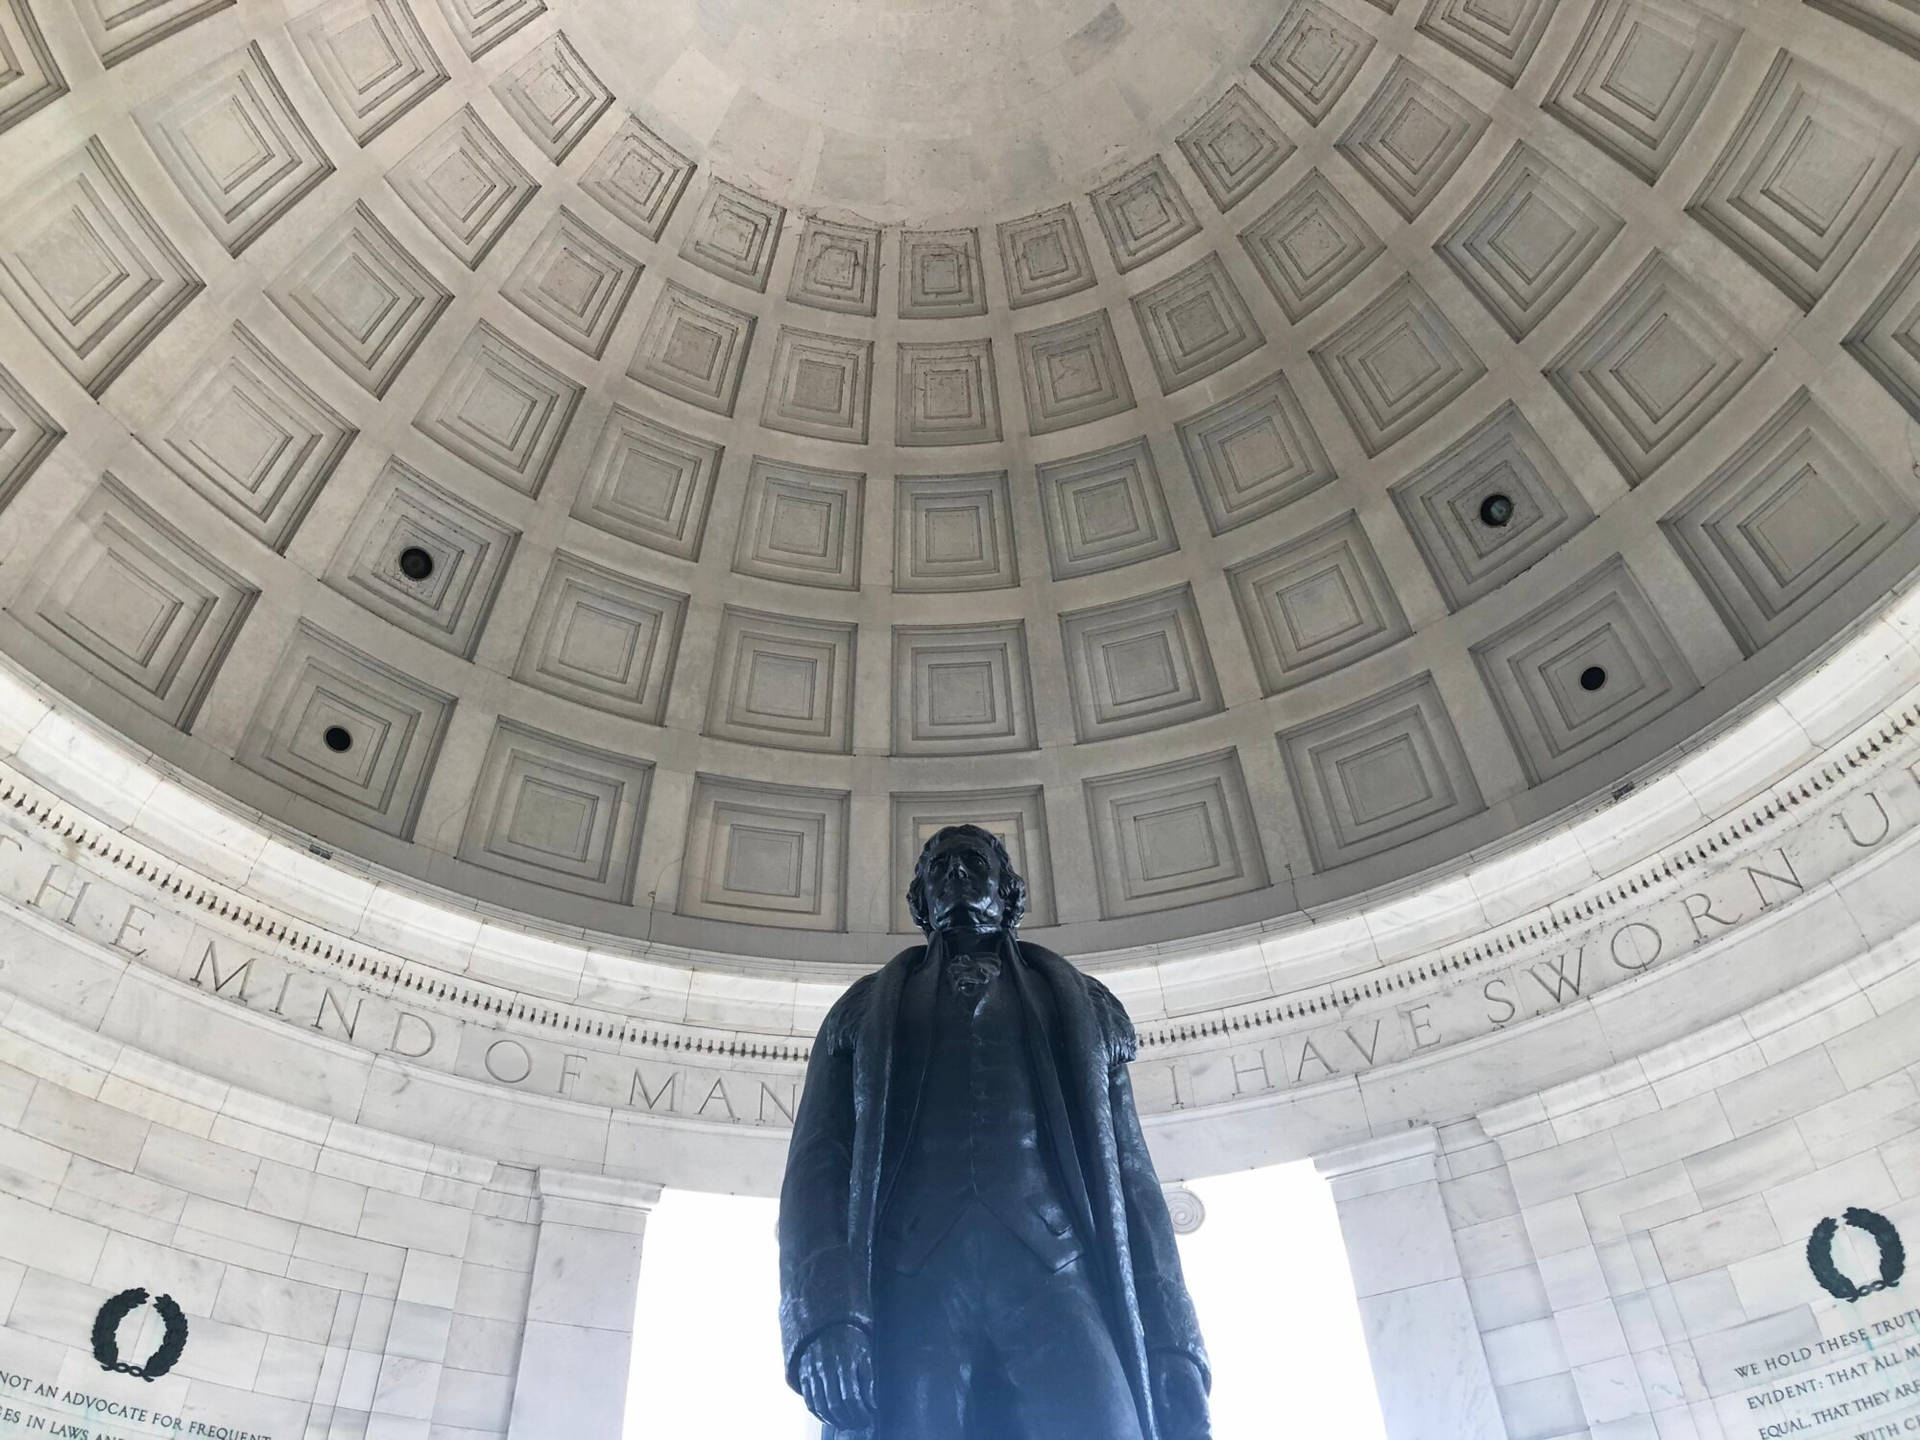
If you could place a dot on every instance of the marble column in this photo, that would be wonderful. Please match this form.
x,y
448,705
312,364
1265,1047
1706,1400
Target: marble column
x,y
578,1343
1428,1365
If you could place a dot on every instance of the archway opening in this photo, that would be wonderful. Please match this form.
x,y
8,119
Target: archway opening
x,y
1266,1267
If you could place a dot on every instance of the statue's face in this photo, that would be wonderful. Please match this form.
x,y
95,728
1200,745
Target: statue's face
x,y
962,879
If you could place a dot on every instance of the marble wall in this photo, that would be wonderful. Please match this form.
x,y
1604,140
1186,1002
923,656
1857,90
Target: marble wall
x,y
1636,1251
1584,1106
1601,1258
334,1281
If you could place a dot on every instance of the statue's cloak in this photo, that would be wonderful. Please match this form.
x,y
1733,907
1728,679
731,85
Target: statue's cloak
x,y
851,1124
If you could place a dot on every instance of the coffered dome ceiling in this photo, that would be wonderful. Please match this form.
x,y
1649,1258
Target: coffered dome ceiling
x,y
644,467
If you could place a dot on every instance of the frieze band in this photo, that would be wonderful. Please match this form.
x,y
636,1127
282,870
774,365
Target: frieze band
x,y
1774,852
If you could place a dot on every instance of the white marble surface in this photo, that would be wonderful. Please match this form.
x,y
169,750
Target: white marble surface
x,y
332,1276
1652,1234
238,847
1427,1353
387,1186
572,1375
662,1070
1591,1248
1428,1364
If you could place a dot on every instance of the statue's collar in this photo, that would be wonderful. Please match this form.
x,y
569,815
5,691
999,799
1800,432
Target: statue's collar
x,y
1002,942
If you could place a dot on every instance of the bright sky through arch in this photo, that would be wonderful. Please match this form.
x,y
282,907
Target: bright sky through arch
x,y
1267,1270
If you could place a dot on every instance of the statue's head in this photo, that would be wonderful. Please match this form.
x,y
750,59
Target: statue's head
x,y
964,880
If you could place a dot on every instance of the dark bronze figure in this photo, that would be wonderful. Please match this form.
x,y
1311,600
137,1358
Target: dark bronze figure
x,y
973,1244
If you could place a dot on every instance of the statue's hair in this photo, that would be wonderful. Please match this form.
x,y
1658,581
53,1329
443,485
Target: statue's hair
x,y
1013,887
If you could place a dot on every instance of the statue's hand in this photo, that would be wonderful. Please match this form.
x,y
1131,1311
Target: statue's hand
x,y
836,1377
1179,1397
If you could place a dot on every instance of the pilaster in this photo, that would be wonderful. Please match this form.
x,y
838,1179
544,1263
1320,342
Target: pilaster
x,y
1421,1336
578,1342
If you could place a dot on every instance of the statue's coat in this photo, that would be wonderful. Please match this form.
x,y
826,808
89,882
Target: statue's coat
x,y
852,1120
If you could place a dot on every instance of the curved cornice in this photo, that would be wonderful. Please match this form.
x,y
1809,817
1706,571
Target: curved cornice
x,y
1354,1016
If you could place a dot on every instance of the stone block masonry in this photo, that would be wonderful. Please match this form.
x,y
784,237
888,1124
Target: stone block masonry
x,y
333,1281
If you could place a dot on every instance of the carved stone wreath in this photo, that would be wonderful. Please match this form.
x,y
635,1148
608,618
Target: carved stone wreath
x,y
1893,1254
106,1326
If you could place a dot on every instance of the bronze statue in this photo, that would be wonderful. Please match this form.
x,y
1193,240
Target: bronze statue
x,y
973,1244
